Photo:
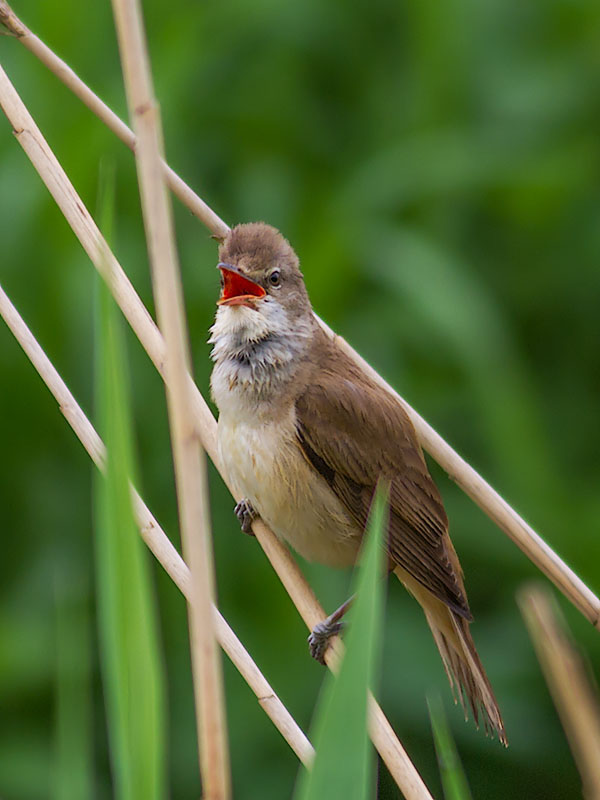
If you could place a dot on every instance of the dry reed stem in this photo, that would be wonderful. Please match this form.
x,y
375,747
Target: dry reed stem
x,y
153,535
574,697
57,182
507,519
189,459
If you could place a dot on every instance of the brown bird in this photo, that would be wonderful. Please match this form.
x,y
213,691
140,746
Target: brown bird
x,y
304,436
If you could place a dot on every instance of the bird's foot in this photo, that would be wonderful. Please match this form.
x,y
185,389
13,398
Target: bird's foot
x,y
318,641
246,515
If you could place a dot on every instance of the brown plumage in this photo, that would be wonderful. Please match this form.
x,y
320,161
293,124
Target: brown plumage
x,y
332,433
341,416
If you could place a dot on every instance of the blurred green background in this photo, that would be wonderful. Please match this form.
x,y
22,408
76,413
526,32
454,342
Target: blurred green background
x,y
436,165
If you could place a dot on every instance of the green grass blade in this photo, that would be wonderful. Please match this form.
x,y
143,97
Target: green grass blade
x,y
74,771
453,777
343,768
132,667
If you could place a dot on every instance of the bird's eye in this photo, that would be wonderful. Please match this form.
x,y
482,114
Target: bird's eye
x,y
275,277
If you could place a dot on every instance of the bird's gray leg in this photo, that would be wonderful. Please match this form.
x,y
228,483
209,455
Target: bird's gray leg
x,y
246,515
318,641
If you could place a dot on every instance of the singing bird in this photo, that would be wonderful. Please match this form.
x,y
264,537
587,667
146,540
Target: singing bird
x,y
304,436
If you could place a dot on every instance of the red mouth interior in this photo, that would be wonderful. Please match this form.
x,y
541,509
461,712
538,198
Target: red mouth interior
x,y
237,289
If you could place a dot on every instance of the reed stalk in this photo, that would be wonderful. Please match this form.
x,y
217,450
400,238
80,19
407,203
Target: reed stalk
x,y
573,694
189,459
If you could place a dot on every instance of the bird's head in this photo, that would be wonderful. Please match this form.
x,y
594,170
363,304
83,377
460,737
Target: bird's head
x,y
260,275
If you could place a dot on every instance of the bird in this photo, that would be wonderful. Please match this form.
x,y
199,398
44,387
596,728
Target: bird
x,y
304,437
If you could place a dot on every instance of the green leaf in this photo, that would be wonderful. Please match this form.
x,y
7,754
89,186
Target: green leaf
x,y
453,777
343,768
132,668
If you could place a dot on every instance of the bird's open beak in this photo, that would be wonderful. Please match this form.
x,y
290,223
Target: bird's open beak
x,y
237,289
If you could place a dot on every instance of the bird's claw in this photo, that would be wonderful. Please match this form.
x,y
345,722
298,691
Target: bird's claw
x,y
246,515
318,641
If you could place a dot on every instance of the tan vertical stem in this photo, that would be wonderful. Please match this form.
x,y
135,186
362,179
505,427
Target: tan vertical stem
x,y
576,701
189,460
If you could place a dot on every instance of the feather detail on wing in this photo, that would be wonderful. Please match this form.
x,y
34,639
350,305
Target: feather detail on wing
x,y
353,433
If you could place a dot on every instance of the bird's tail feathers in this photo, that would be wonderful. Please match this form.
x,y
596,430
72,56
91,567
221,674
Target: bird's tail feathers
x,y
470,684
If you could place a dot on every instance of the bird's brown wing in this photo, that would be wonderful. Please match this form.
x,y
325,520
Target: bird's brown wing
x,y
353,434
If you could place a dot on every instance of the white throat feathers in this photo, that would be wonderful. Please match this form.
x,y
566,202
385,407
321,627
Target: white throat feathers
x,y
256,353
